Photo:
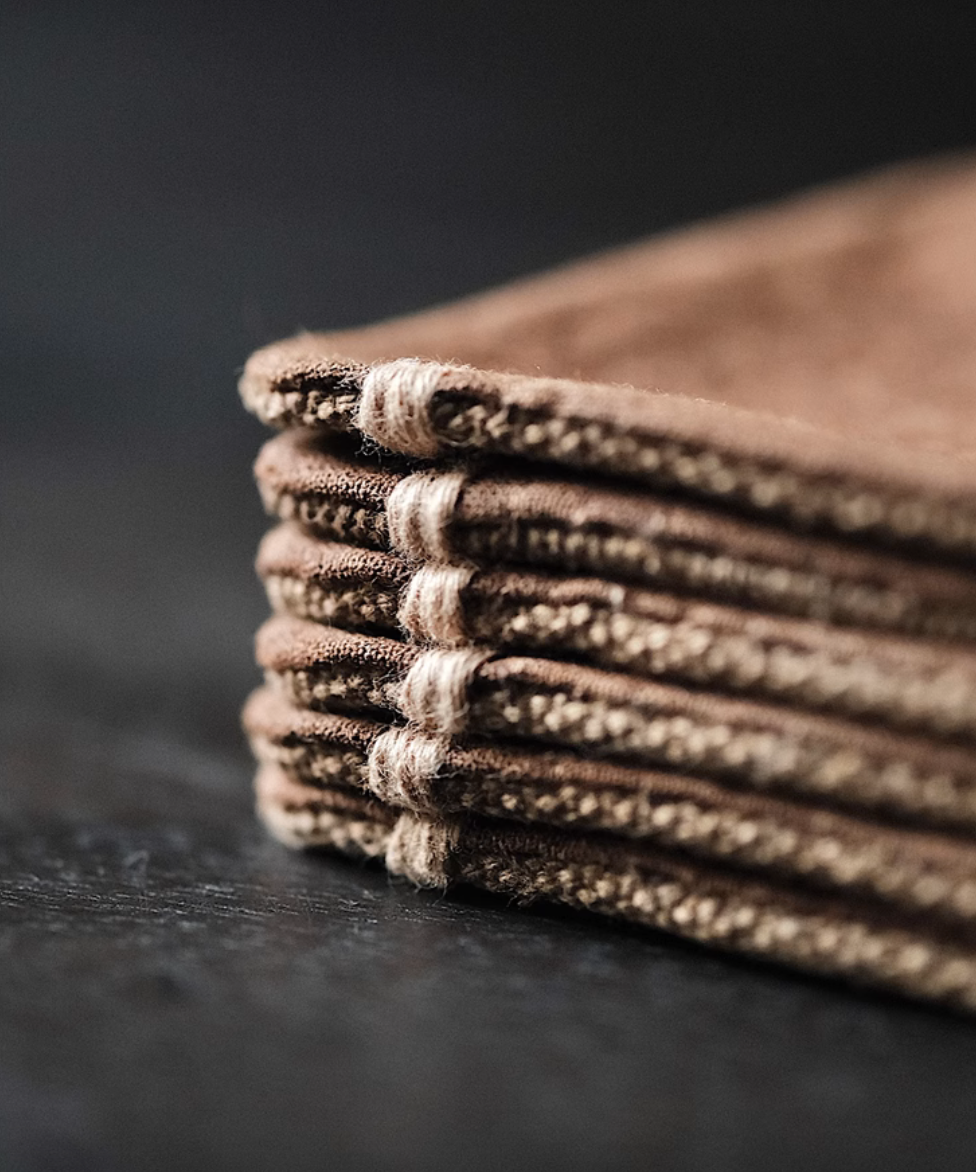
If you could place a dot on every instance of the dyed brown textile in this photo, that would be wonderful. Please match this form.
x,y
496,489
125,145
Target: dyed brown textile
x,y
803,362
858,941
911,870
647,585
925,686
586,527
470,692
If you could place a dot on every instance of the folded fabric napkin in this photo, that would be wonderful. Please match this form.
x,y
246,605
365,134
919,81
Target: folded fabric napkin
x,y
702,656
803,363
468,515
813,847
451,692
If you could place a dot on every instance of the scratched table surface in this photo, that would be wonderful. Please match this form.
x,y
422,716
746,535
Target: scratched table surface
x,y
183,184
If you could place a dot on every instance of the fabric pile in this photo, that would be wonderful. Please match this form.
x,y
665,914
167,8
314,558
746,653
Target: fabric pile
x,y
647,586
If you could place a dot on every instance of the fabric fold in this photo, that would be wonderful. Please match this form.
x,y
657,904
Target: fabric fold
x,y
868,288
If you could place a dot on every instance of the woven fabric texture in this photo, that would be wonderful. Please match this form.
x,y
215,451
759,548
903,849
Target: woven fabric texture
x,y
647,586
804,362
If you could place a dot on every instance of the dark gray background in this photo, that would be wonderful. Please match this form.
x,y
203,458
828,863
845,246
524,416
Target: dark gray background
x,y
178,185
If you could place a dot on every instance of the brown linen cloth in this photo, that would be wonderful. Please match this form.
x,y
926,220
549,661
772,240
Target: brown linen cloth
x,y
795,371
584,526
861,942
906,869
471,691
914,684
812,362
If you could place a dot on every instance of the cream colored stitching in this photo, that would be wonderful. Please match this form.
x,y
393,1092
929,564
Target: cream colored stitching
x,y
913,694
728,579
910,695
394,405
657,562
352,606
301,828
402,765
847,505
431,609
434,692
764,760
424,852
419,513
338,685
820,767
420,849
857,949
328,515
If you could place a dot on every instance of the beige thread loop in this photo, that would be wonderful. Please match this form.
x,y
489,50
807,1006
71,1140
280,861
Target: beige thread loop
x,y
434,693
394,405
419,512
431,609
420,849
402,765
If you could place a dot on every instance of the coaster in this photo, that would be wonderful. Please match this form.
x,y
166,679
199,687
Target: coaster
x,y
921,686
811,363
472,691
911,870
585,527
639,883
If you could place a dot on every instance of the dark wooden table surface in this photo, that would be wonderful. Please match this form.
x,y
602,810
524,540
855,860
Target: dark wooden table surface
x,y
179,186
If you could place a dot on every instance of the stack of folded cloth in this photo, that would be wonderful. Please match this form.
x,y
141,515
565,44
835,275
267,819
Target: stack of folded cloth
x,y
647,586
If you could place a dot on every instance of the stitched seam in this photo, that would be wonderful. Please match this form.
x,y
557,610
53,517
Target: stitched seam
x,y
897,959
845,505
304,827
718,576
758,758
336,686
761,759
343,606
330,516
940,702
833,861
